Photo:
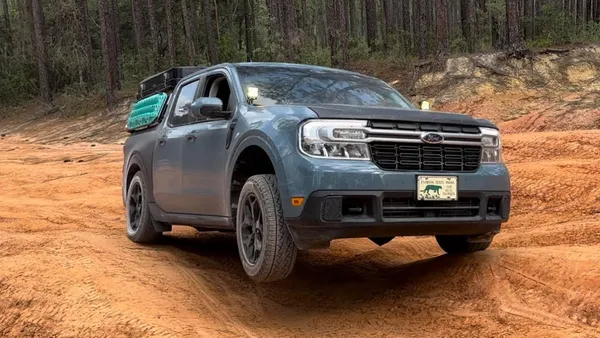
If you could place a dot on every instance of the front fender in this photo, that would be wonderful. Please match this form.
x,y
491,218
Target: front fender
x,y
275,130
259,139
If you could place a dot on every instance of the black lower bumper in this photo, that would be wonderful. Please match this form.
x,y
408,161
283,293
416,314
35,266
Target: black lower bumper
x,y
329,215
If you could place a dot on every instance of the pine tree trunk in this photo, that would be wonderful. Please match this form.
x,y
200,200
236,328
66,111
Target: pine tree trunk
x,y
249,25
290,18
138,27
27,45
529,16
406,24
337,32
170,33
480,19
40,47
443,38
305,18
421,12
6,13
332,31
85,41
388,13
190,32
155,57
276,26
495,30
371,23
467,21
213,51
514,39
353,18
108,47
118,47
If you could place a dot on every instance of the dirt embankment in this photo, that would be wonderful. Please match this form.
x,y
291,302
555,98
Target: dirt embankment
x,y
550,90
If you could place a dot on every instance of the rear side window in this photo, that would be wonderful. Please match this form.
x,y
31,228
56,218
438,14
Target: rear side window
x,y
181,115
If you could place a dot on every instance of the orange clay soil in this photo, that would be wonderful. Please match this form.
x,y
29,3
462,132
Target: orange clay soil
x,y
67,269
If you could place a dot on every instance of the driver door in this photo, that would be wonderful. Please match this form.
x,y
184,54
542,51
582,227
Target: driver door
x,y
205,153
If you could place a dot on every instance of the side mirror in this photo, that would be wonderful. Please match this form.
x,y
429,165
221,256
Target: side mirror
x,y
208,107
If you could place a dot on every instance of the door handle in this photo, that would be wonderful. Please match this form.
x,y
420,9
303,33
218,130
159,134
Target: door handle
x,y
190,137
162,141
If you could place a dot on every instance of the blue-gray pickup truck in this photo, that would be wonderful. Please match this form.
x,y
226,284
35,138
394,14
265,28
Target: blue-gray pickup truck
x,y
290,157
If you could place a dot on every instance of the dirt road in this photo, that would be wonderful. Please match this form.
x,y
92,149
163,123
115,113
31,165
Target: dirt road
x,y
67,269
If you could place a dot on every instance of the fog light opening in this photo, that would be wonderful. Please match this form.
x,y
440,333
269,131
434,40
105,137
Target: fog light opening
x,y
493,206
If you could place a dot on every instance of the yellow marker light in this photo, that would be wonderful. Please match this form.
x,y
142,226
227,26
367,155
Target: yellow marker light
x,y
297,201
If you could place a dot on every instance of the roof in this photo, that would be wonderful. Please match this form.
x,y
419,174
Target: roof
x,y
278,64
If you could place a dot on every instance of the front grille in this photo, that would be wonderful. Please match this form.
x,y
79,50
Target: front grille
x,y
406,207
422,157
414,126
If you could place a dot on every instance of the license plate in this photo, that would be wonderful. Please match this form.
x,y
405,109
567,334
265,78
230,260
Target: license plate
x,y
437,188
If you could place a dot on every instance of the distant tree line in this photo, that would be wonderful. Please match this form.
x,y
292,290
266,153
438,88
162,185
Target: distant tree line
x,y
50,46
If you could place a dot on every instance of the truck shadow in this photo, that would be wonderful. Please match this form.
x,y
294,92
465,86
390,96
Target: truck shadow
x,y
353,281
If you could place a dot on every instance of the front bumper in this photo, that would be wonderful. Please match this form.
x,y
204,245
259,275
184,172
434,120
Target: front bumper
x,y
317,179
329,215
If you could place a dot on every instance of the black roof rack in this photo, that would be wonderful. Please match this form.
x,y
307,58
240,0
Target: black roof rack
x,y
164,81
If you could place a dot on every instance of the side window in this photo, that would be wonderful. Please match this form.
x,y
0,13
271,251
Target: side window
x,y
218,86
182,115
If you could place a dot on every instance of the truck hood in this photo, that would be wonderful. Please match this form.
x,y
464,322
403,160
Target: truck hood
x,y
396,114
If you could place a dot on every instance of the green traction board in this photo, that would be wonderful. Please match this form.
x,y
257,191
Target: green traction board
x,y
145,112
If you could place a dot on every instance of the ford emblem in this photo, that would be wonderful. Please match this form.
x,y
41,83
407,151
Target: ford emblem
x,y
432,138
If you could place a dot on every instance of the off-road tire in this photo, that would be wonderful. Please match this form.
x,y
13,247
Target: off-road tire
x,y
462,244
278,255
145,232
381,241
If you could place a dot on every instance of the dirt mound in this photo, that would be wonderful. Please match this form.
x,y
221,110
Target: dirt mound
x,y
544,90
35,124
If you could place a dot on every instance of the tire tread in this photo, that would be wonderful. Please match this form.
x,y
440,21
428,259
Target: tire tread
x,y
280,256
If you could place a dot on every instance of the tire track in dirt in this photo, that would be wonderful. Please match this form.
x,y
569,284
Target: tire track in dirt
x,y
212,303
510,275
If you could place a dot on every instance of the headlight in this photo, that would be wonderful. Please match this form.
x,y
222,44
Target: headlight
x,y
491,146
334,139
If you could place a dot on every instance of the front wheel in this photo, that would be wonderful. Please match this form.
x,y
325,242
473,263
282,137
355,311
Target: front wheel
x,y
463,244
265,245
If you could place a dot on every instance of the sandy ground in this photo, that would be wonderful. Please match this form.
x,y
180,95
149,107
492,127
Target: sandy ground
x,y
67,269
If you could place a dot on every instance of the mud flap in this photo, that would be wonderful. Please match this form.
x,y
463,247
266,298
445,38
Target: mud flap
x,y
161,226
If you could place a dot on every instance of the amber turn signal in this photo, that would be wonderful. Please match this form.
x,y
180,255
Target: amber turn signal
x,y
297,201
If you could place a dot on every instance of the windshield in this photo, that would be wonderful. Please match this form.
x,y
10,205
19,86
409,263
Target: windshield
x,y
279,85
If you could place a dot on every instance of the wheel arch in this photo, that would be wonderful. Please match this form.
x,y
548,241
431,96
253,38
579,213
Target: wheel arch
x,y
254,142
134,164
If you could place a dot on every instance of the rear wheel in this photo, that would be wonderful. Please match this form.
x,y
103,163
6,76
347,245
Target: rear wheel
x,y
265,245
463,244
140,227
